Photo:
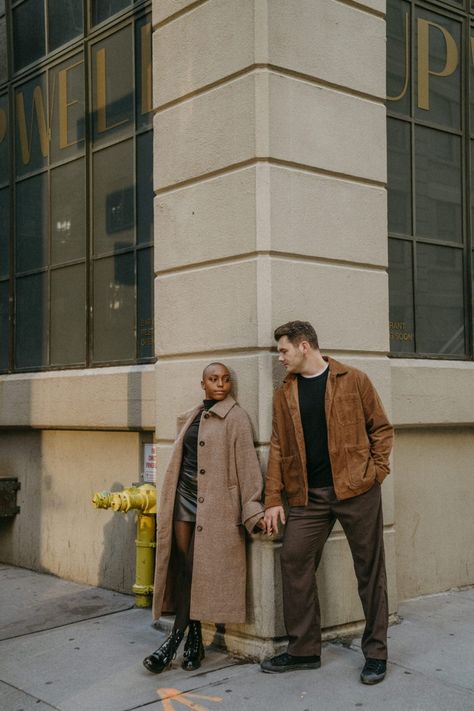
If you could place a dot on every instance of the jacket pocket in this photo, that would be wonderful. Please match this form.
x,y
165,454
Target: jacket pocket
x,y
348,409
291,469
360,467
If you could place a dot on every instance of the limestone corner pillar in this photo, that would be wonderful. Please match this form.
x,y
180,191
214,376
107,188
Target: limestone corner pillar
x,y
270,205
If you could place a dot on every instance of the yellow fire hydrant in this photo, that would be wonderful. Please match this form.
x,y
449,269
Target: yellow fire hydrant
x,y
143,499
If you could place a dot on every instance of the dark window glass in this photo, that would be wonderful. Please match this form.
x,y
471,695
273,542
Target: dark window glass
x,y
4,232
67,181
65,21
439,300
114,308
68,315
4,327
145,303
402,323
143,67
112,86
31,322
32,223
4,152
438,185
66,91
398,57
68,217
31,126
3,51
28,33
114,213
399,177
145,187
103,9
471,82
437,69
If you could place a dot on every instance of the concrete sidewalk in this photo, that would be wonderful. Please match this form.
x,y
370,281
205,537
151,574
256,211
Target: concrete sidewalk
x,y
74,648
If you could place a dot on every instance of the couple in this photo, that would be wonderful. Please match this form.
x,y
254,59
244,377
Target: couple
x,y
330,445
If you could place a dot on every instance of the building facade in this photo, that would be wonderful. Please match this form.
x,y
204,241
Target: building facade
x,y
302,159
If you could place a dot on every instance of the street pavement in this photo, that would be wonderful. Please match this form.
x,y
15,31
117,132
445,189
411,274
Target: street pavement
x,y
72,647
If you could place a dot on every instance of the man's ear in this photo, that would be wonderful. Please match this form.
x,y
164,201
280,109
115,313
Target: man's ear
x,y
304,347
202,384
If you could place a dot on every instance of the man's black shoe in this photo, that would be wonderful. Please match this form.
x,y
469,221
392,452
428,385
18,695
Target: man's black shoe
x,y
373,671
288,662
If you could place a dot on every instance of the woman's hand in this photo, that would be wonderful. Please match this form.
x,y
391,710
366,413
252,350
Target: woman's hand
x,y
271,519
261,524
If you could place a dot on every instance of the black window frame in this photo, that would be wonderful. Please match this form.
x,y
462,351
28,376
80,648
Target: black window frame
x,y
131,15
462,12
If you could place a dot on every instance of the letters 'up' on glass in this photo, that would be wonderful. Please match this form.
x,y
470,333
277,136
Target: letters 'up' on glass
x,y
426,62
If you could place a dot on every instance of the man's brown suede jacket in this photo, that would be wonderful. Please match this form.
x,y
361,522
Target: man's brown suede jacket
x,y
360,438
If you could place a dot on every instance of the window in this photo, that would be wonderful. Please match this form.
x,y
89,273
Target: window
x,y
76,193
429,179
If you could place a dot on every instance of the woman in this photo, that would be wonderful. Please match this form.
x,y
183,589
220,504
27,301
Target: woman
x,y
212,485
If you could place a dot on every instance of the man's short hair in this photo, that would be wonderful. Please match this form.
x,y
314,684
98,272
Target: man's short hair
x,y
297,331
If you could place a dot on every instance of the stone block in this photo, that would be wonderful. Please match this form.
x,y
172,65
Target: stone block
x,y
205,133
214,219
201,47
427,392
164,9
326,129
207,309
330,41
116,398
327,218
347,306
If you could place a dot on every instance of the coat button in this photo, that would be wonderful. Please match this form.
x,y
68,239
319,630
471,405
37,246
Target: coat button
x,y
199,528
201,443
206,416
201,499
202,471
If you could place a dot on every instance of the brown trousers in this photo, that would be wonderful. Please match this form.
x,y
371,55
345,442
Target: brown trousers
x,y
306,532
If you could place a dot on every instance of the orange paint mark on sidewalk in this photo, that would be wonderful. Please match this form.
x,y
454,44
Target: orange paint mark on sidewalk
x,y
171,696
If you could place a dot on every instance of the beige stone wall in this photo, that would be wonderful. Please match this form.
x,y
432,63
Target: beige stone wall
x,y
434,509
58,530
434,454
270,170
66,435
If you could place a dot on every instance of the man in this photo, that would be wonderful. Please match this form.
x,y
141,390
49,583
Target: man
x,y
330,446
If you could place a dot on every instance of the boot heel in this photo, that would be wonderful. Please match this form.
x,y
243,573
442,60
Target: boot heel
x,y
161,658
194,648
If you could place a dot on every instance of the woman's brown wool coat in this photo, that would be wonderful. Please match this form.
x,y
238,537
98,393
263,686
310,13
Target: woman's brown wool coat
x,y
229,495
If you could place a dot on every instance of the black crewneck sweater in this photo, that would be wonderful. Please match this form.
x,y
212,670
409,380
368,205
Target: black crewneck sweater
x,y
311,394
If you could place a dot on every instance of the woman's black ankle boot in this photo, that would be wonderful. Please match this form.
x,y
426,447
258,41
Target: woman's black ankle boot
x,y
193,648
164,655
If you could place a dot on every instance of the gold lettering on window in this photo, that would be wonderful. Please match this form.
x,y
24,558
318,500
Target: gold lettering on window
x,y
147,102
399,332
64,105
101,94
38,110
407,63
424,70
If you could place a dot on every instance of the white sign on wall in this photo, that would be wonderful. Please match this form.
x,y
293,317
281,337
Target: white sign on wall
x,y
149,463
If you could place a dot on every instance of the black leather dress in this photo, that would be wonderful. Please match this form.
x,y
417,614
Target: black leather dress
x,y
185,503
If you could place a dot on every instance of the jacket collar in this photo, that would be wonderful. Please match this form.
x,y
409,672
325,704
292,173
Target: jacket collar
x,y
223,407
335,368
